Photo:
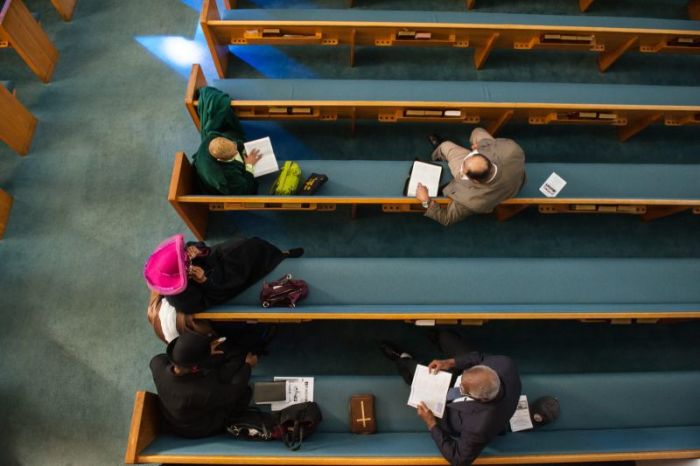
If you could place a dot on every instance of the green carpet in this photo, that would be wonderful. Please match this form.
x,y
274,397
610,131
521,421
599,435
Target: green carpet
x,y
90,204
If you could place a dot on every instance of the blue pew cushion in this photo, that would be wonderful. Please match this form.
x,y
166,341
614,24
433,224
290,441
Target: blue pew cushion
x,y
366,178
9,85
474,285
456,17
346,90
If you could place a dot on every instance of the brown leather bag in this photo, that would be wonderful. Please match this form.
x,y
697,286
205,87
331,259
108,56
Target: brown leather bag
x,y
362,420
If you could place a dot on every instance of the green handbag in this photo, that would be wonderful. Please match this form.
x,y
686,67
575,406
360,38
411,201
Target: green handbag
x,y
287,183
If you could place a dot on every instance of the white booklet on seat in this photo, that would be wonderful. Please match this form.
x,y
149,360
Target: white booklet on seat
x,y
430,389
298,390
426,173
268,162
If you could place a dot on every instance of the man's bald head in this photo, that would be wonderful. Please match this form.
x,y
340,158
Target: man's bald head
x,y
478,168
481,383
223,149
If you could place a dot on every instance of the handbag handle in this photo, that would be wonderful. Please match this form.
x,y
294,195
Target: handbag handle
x,y
288,438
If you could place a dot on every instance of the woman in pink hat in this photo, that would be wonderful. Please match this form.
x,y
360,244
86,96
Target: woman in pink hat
x,y
194,277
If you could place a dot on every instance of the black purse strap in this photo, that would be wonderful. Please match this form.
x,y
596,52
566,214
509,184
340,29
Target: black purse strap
x,y
294,439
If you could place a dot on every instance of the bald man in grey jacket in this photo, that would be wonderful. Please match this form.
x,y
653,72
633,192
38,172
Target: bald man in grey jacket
x,y
493,171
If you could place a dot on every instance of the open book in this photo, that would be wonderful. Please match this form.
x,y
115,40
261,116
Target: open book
x,y
430,389
428,174
268,162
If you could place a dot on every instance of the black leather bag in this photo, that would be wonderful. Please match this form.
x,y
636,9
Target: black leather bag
x,y
253,424
298,422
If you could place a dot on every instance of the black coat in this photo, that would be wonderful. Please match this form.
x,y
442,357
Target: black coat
x,y
230,268
468,426
199,405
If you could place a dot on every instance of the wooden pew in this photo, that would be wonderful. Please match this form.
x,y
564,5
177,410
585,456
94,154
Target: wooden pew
x,y
630,108
592,189
18,124
65,8
610,38
19,30
581,434
5,207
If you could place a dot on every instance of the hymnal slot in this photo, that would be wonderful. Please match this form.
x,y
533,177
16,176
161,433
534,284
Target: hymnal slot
x,y
684,42
566,39
600,116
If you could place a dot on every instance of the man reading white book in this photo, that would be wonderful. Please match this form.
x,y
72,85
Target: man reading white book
x,y
492,171
475,411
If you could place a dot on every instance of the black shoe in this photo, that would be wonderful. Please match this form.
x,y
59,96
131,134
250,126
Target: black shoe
x,y
435,140
434,337
295,252
391,351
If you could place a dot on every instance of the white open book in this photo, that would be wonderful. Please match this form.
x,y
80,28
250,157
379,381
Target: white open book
x,y
268,162
427,174
430,389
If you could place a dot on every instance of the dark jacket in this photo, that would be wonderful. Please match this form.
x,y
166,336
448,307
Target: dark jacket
x,y
198,405
230,268
468,426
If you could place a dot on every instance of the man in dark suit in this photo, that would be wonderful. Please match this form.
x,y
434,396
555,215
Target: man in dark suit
x,y
201,386
476,411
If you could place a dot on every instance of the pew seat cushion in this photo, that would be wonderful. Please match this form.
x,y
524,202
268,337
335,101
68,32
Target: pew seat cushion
x,y
434,18
420,444
601,413
494,285
365,178
353,90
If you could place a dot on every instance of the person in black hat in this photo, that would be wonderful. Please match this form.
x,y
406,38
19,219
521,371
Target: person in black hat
x,y
200,386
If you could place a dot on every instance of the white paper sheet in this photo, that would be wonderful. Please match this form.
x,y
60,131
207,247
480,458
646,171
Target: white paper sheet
x,y
428,175
430,389
268,162
299,390
521,418
552,185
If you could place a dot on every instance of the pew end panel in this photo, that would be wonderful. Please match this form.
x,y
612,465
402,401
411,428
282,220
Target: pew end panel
x,y
19,30
65,8
183,181
145,423
196,81
17,130
5,208
219,51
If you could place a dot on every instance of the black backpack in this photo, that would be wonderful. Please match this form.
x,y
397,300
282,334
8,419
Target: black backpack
x,y
298,422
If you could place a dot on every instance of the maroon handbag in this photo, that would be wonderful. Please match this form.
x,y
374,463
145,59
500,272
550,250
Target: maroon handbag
x,y
284,292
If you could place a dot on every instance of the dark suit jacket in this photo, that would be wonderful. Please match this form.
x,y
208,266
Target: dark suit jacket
x,y
198,405
468,426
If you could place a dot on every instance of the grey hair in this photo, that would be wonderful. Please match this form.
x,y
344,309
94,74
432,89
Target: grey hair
x,y
489,385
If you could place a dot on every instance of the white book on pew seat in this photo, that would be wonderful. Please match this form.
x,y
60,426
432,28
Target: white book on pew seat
x,y
268,163
426,173
553,185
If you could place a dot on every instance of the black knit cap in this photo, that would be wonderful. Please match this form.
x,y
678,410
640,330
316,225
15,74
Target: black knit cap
x,y
544,410
189,349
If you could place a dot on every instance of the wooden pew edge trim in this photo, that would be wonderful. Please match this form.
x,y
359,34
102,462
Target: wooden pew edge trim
x,y
204,199
484,27
277,316
196,80
137,439
415,461
454,104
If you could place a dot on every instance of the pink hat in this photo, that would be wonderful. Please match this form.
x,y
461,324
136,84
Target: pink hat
x,y
165,270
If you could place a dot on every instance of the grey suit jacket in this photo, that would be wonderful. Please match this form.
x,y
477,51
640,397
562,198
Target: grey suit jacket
x,y
468,426
469,197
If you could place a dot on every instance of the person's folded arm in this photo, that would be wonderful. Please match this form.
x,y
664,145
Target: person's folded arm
x,y
459,452
455,212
